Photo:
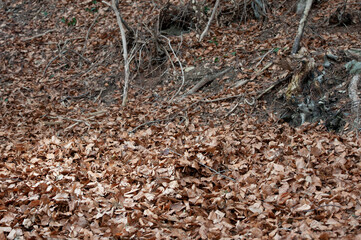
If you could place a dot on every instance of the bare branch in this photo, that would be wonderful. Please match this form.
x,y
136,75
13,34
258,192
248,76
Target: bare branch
x,y
113,5
296,44
180,64
209,21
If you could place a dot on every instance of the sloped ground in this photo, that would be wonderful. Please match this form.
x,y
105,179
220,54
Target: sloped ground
x,y
74,164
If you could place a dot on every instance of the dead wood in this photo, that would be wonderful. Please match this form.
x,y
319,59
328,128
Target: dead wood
x,y
204,81
295,86
355,100
209,21
273,86
296,44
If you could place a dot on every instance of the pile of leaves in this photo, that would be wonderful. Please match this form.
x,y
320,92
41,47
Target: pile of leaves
x,y
74,164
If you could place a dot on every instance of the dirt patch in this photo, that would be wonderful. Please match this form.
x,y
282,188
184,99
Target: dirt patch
x,y
175,20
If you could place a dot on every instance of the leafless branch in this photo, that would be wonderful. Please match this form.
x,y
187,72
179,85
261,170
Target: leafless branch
x,y
181,67
39,35
209,21
296,44
125,50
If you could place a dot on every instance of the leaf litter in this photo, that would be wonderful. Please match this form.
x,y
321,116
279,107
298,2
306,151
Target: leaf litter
x,y
72,167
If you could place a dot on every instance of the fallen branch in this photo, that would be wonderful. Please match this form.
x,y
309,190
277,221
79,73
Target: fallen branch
x,y
234,108
273,86
222,99
204,81
39,35
263,58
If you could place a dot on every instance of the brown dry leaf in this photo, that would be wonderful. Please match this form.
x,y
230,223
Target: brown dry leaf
x,y
213,166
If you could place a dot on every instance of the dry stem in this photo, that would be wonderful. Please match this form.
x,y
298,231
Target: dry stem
x,y
125,50
209,21
296,44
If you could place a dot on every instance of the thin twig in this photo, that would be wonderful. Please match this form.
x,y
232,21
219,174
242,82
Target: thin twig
x,y
146,124
326,205
180,64
263,58
235,106
222,99
46,68
88,32
39,35
216,172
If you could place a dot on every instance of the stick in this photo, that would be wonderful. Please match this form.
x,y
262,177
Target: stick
x,y
204,81
235,106
296,44
209,21
180,64
273,86
222,99
46,68
216,172
88,32
39,35
145,124
262,58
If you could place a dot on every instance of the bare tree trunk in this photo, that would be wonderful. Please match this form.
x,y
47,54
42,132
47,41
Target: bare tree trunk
x,y
301,27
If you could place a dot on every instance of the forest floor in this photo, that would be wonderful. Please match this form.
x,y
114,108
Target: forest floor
x,y
238,158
